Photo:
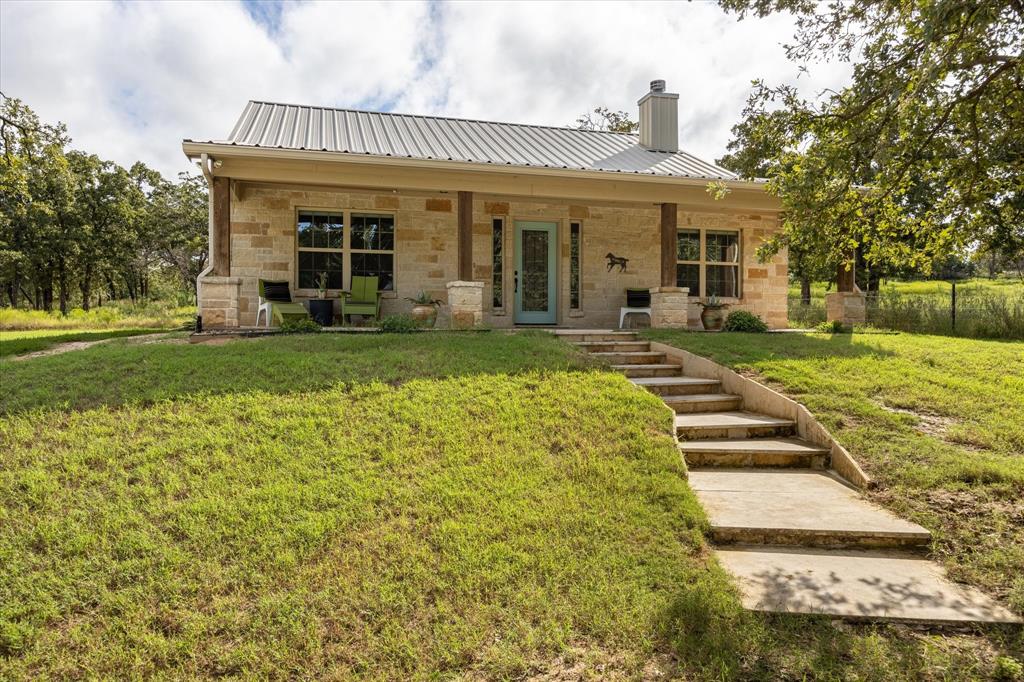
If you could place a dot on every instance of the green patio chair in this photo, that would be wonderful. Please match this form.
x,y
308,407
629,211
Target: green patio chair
x,y
363,299
276,303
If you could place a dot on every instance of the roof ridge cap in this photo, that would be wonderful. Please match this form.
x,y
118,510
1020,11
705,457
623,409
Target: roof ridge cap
x,y
442,118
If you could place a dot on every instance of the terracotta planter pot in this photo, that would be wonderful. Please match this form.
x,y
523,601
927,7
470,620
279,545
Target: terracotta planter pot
x,y
712,318
426,315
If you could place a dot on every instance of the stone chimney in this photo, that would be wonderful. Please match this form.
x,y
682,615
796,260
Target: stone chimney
x,y
659,119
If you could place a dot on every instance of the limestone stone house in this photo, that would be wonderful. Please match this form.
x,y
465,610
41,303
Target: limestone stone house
x,y
512,224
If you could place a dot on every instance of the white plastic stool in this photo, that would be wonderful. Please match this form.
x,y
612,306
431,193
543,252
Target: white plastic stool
x,y
626,311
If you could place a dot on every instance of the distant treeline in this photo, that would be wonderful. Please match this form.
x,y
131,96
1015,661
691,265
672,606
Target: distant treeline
x,y
76,230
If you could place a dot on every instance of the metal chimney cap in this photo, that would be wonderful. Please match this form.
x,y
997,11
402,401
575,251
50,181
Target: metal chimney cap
x,y
658,85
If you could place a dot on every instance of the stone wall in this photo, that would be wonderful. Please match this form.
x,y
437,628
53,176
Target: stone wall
x,y
263,245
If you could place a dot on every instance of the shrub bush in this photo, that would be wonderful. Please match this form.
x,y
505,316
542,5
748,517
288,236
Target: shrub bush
x,y
303,326
399,324
744,321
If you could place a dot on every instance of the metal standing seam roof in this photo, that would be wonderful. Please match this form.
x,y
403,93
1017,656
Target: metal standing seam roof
x,y
349,131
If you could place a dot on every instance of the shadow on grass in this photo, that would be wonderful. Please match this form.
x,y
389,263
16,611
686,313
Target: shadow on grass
x,y
116,374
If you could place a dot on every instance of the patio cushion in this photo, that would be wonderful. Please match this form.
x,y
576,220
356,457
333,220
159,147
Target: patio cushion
x,y
638,298
276,291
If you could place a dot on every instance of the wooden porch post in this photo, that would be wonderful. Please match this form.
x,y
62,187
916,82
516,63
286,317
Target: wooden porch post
x,y
465,236
668,245
221,247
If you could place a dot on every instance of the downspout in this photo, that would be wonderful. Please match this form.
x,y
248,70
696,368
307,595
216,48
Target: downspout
x,y
205,164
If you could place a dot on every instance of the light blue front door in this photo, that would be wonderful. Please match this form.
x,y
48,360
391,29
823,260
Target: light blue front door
x,y
535,280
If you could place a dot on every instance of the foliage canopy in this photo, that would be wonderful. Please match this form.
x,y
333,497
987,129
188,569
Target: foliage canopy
x,y
921,155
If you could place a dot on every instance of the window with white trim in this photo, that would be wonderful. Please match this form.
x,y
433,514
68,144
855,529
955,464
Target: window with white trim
x,y
367,248
708,262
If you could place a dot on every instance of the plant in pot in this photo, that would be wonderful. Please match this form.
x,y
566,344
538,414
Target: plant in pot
x,y
424,308
713,314
321,285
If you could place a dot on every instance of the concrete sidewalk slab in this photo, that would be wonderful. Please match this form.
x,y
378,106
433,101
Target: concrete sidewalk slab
x,y
796,507
856,584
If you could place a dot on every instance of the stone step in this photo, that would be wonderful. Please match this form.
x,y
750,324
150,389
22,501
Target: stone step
x,y
703,402
855,584
731,425
649,370
797,507
577,335
677,385
632,357
755,452
613,346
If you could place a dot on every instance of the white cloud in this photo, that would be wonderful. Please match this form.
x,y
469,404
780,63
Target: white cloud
x,y
132,79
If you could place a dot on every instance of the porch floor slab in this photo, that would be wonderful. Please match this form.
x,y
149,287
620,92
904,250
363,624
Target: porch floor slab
x,y
855,584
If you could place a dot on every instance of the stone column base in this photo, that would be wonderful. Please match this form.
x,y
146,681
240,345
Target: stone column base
x,y
670,307
846,307
218,301
466,304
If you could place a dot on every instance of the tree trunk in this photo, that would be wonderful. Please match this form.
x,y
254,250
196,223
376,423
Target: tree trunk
x,y
85,286
805,290
12,290
62,287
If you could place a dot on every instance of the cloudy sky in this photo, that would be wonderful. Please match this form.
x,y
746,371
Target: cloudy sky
x,y
132,79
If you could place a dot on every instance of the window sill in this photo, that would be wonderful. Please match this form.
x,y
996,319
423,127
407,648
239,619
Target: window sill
x,y
576,313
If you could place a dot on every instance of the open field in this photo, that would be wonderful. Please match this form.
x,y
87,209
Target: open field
x,y
118,315
938,422
1008,286
483,506
984,308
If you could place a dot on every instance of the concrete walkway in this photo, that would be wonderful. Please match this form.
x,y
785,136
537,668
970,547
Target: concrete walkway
x,y
795,535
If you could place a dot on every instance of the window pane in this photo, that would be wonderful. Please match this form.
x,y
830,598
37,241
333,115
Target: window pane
x,y
379,264
688,276
574,266
335,228
375,233
320,230
688,245
723,247
305,229
724,280
497,262
306,270
312,263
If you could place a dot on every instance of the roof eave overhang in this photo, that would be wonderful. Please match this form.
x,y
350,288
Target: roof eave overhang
x,y
194,150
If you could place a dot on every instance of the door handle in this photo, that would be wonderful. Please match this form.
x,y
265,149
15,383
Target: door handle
x,y
515,282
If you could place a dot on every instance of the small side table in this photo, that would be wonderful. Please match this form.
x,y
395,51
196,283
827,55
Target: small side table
x,y
322,311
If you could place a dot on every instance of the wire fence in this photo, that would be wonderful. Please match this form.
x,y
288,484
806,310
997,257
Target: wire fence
x,y
970,312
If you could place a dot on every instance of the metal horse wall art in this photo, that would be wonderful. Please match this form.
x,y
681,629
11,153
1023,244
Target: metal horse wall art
x,y
614,260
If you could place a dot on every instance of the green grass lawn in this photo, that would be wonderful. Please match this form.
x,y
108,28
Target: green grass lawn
x,y
32,340
938,422
428,506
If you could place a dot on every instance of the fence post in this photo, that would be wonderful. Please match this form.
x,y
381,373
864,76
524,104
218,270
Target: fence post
x,y
952,305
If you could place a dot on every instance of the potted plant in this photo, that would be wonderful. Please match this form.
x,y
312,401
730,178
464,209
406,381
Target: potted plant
x,y
712,314
321,285
424,308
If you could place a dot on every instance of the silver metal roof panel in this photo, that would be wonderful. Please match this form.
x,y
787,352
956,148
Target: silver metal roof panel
x,y
350,131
